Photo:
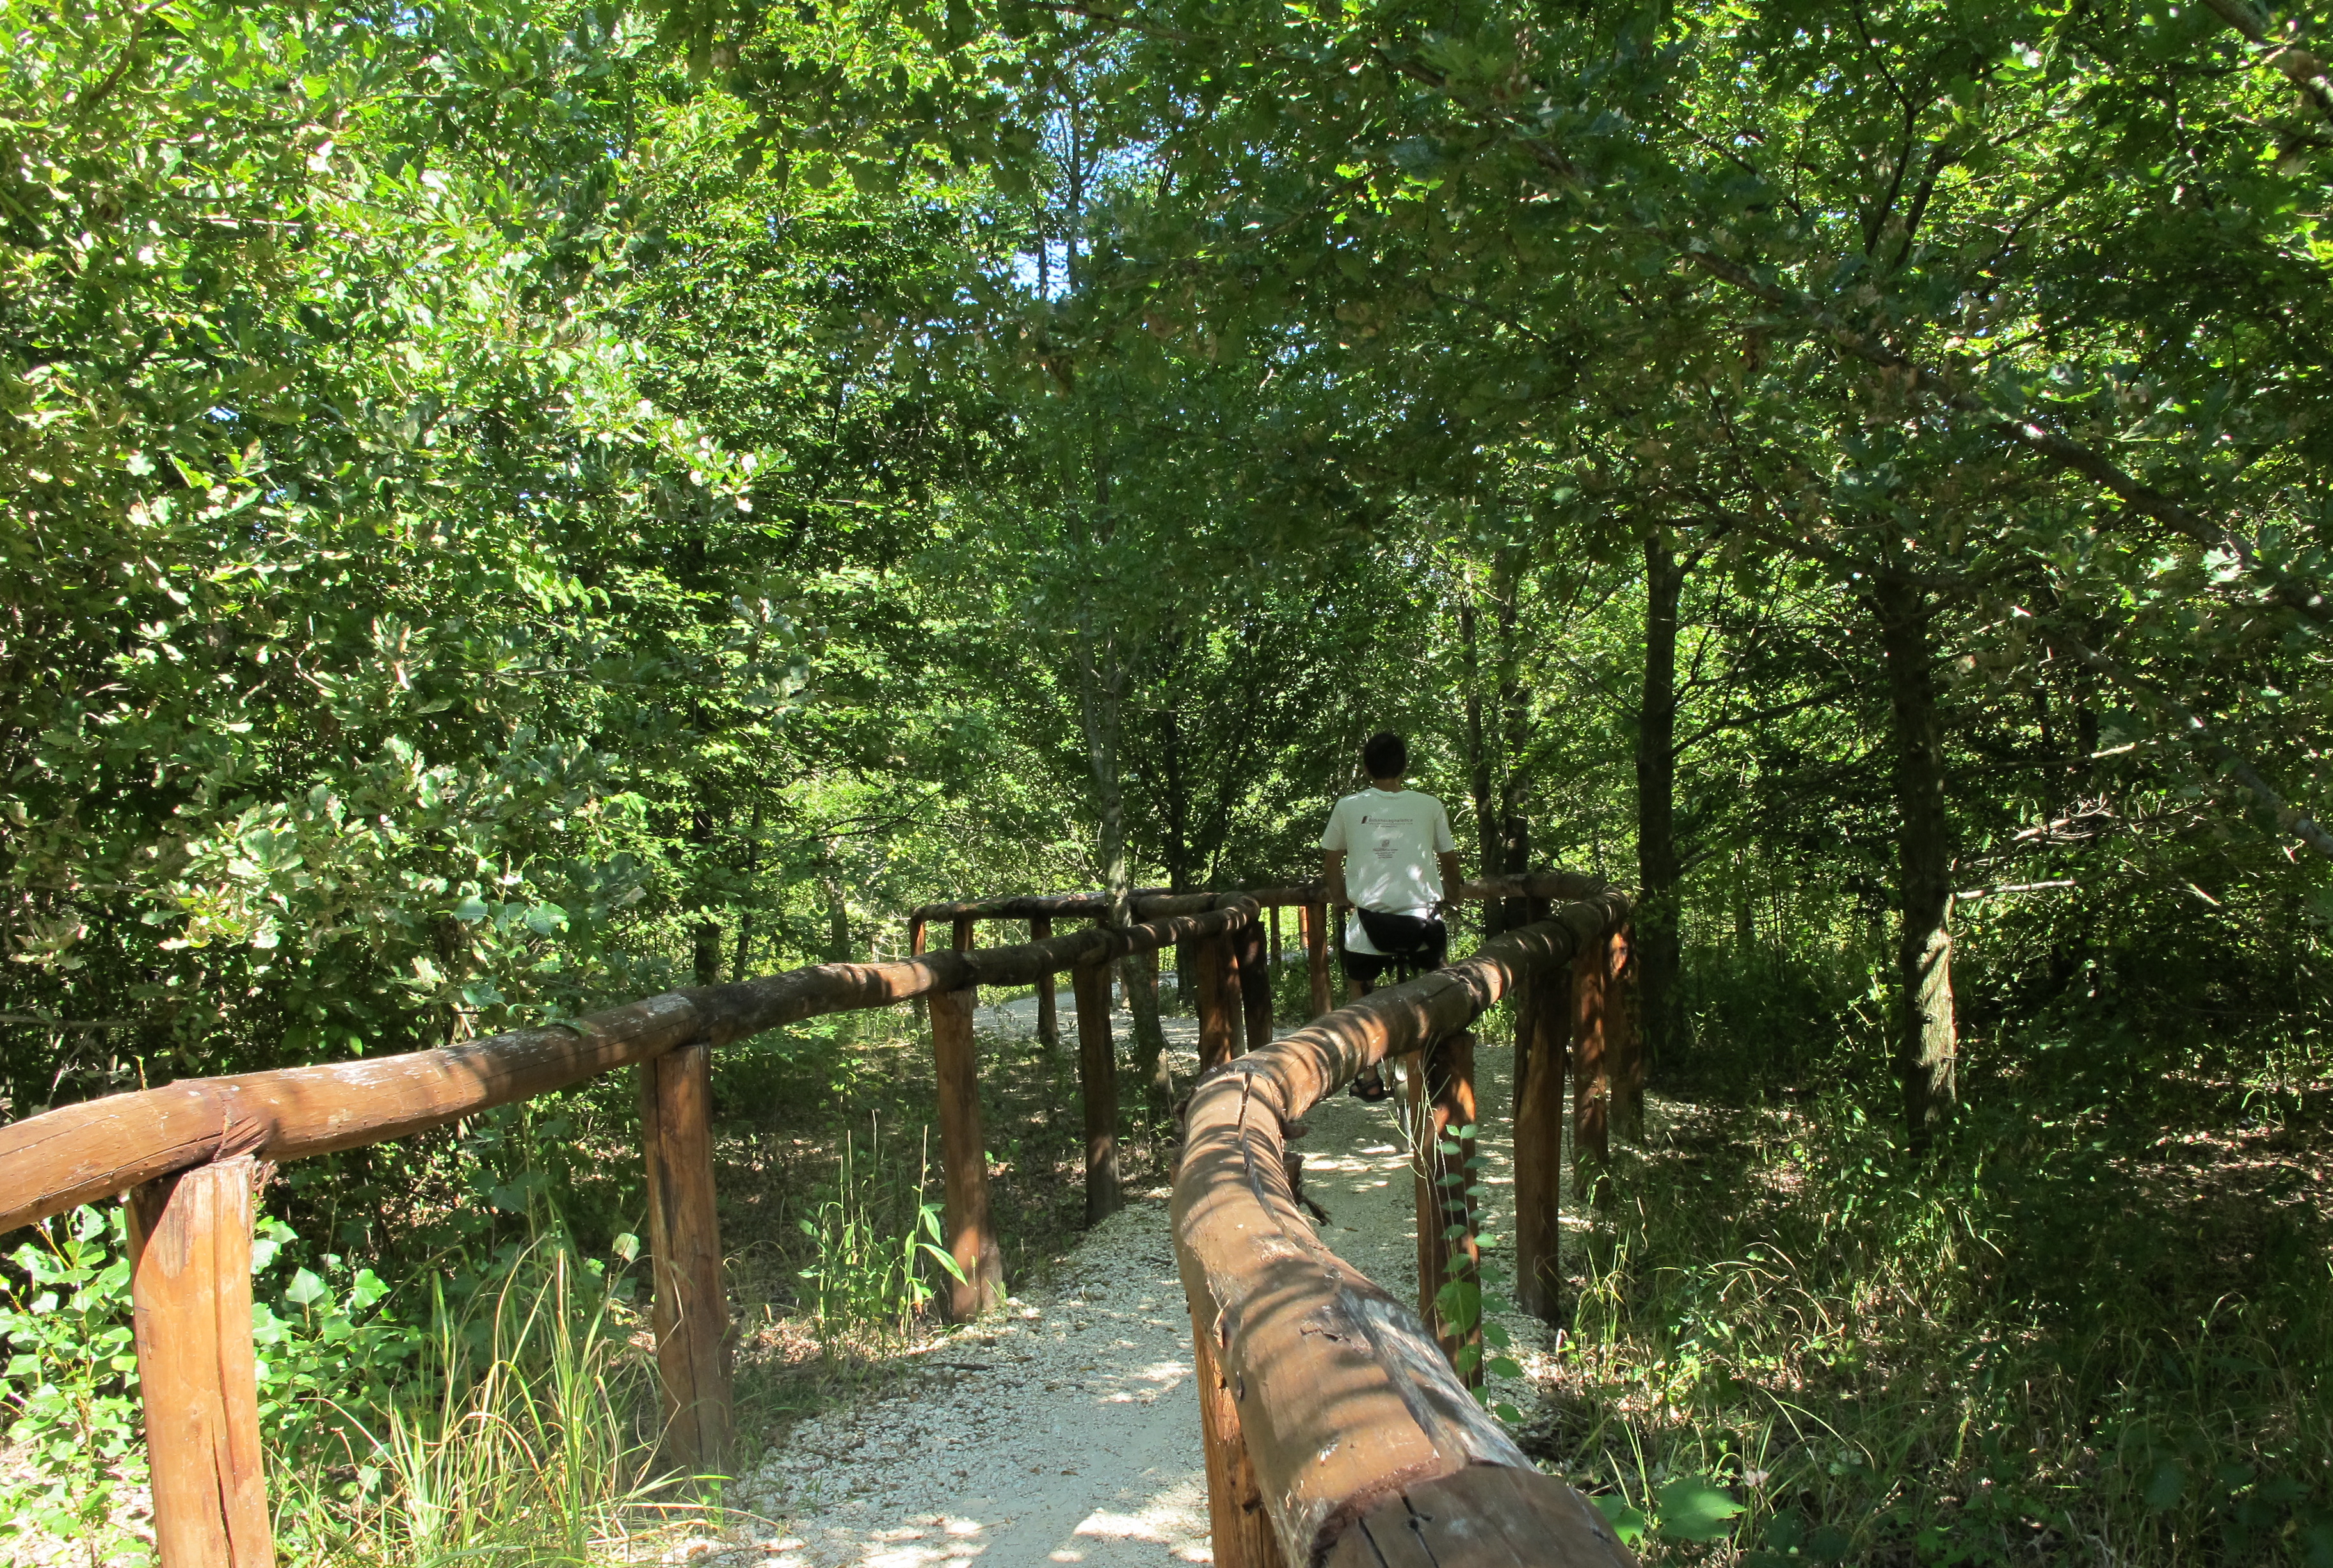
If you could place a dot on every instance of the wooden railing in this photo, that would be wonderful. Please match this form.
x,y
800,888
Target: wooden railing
x,y
1339,1430
189,1157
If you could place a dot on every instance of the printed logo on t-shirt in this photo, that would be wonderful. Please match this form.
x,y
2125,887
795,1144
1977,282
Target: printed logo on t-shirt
x,y
1387,827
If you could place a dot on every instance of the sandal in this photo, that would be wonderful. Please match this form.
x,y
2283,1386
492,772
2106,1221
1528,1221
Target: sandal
x,y
1371,1089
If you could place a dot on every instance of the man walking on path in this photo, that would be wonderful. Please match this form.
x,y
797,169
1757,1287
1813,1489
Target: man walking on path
x,y
1402,859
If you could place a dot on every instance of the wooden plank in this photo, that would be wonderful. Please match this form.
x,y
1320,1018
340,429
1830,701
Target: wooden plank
x,y
1218,1002
1543,1022
691,1315
198,1374
1241,1532
1316,955
1255,983
1049,1022
85,1152
1444,1105
1624,1046
1343,1394
1488,1517
1096,1088
963,1159
1592,1085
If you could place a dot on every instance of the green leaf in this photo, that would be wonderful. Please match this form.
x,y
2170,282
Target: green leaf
x,y
1692,1510
1628,1522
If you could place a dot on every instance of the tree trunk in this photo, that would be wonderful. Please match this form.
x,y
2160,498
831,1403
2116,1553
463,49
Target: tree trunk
x,y
837,918
1177,826
1102,694
705,934
1927,1042
1478,759
1657,935
1514,740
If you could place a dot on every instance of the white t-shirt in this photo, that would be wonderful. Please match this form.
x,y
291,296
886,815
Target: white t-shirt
x,y
1391,839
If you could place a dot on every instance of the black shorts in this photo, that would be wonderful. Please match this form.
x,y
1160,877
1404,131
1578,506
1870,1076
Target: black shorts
x,y
1364,968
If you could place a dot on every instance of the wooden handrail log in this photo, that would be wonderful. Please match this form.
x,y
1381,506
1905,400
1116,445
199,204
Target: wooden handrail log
x,y
1345,1398
79,1153
1153,903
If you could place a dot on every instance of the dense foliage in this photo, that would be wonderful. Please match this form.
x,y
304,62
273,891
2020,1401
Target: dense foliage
x,y
514,507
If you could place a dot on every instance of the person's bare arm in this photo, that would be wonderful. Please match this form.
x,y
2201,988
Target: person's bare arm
x,y
1332,877
1453,877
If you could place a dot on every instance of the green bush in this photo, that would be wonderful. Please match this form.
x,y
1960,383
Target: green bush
x,y
497,1409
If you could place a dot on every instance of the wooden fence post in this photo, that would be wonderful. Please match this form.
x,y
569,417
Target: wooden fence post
x,y
1271,913
1591,1084
1048,1021
1536,911
1624,1045
1097,1087
964,1155
916,936
1442,1101
197,1375
691,1315
1543,1026
1255,983
1219,1016
1242,1530
1316,955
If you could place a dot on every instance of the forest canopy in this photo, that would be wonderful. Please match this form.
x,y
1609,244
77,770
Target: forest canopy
x,y
513,507
515,504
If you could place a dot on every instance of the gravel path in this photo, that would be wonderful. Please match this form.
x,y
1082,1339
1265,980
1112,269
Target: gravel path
x,y
1067,1429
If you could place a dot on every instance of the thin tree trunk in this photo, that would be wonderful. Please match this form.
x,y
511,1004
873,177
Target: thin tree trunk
x,y
705,934
1927,1042
1179,821
1514,711
1478,758
1657,935
738,969
1102,693
837,918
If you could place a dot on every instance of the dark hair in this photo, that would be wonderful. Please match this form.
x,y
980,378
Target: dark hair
x,y
1385,754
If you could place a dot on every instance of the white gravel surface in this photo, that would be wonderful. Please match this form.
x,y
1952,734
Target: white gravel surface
x,y
1067,1428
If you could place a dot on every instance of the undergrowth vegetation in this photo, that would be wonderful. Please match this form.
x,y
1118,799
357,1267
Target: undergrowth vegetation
x,y
480,1389
2096,1325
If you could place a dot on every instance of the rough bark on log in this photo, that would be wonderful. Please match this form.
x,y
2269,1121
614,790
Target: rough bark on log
x,y
1255,983
964,1162
1218,1006
1544,1022
1624,1042
1346,1402
1591,1082
691,1316
1048,1022
1316,956
1482,1517
197,1373
1096,1088
1241,1532
1446,1101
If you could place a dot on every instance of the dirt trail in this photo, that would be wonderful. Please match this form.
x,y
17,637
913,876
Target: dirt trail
x,y
1067,1430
